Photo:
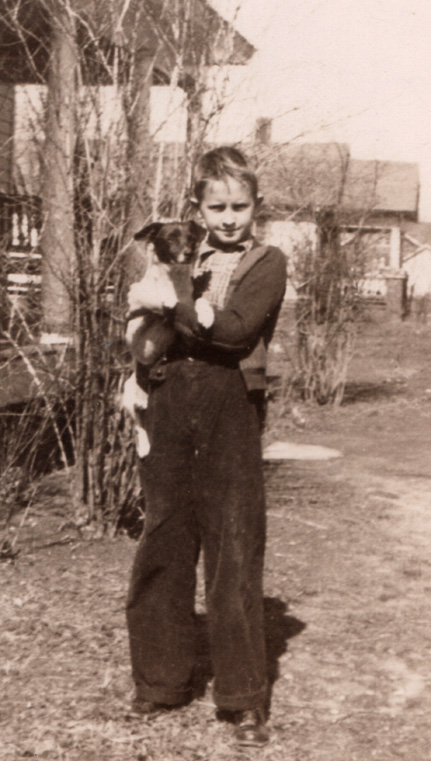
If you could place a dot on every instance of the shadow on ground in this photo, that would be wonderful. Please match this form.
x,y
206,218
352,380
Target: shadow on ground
x,y
372,392
279,628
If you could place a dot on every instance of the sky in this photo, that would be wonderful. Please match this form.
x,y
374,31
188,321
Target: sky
x,y
356,71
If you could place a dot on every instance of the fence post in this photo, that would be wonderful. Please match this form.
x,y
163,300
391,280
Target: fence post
x,y
396,294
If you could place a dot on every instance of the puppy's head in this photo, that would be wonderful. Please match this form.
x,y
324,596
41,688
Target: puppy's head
x,y
174,242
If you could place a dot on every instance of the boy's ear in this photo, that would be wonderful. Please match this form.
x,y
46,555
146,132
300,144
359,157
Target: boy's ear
x,y
194,202
149,232
258,203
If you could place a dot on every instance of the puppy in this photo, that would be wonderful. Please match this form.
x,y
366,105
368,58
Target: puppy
x,y
174,245
148,334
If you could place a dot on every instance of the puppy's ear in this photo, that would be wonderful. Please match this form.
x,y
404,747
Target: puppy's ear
x,y
197,232
149,232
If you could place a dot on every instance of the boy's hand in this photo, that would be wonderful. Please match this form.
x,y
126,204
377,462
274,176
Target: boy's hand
x,y
154,292
204,313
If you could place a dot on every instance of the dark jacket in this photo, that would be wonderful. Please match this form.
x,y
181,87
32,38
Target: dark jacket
x,y
244,327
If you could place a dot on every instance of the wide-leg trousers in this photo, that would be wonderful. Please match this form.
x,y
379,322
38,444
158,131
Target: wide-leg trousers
x,y
203,488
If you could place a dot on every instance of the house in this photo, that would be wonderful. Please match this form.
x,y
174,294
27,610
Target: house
x,y
375,203
105,34
416,263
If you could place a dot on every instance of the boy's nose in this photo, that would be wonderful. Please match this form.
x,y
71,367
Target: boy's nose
x,y
229,219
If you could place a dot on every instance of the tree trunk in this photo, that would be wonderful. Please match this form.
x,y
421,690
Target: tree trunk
x,y
57,239
139,160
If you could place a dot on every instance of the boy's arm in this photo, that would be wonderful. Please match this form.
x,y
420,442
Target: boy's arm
x,y
238,325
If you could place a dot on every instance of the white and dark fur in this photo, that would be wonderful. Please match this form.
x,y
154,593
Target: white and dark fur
x,y
150,335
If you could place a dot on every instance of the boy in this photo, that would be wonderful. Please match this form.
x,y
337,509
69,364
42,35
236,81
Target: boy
x,y
203,475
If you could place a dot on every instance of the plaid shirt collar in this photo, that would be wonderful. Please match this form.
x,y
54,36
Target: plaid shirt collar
x,y
205,250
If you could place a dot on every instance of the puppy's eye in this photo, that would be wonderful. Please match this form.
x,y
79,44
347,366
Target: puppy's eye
x,y
174,236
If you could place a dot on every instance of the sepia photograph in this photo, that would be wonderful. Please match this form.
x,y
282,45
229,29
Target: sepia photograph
x,y
215,380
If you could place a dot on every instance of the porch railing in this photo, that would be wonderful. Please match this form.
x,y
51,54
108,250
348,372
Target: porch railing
x,y
20,225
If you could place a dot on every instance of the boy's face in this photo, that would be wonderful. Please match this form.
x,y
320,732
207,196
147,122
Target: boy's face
x,y
228,208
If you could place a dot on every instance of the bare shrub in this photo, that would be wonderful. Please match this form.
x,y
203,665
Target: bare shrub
x,y
328,313
305,191
102,177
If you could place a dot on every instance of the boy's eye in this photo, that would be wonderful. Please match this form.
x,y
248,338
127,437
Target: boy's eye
x,y
217,207
241,206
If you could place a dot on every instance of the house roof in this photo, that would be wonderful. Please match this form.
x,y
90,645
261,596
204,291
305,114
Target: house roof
x,y
303,174
320,175
382,186
207,37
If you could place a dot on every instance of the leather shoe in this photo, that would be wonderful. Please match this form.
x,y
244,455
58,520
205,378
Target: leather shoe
x,y
250,728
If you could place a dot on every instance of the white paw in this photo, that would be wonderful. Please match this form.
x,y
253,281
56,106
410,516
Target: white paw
x,y
142,441
134,397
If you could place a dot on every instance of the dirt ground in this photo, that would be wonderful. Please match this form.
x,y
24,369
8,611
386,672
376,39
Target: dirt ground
x,y
347,585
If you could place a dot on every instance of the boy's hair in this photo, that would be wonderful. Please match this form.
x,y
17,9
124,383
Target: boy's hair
x,y
221,163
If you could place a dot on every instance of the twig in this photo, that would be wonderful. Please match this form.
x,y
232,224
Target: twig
x,y
308,523
39,385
